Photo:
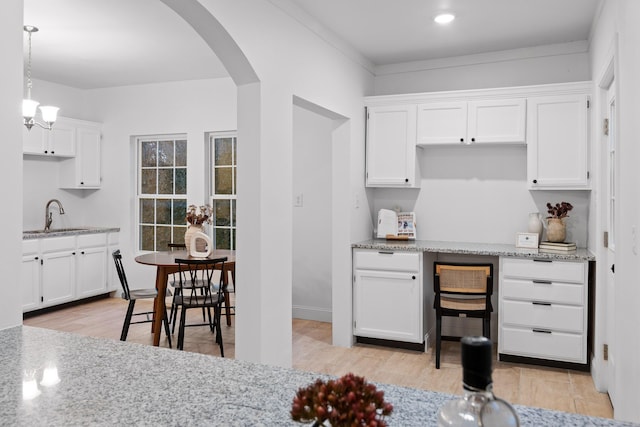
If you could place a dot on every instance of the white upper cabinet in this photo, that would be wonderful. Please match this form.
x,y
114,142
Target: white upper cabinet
x,y
442,123
60,141
494,121
83,171
557,142
391,147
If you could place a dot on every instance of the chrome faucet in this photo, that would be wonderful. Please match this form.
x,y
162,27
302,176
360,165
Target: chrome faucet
x,y
48,216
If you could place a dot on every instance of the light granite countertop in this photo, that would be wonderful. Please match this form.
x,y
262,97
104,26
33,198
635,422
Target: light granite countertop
x,y
60,232
490,249
112,383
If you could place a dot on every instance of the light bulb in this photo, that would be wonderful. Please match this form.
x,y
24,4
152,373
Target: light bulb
x,y
444,18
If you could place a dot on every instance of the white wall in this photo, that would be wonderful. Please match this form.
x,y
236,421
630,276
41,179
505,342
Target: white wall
x,y
521,67
617,20
290,60
312,139
11,82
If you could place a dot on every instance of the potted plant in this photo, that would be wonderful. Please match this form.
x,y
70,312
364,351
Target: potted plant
x,y
346,401
556,227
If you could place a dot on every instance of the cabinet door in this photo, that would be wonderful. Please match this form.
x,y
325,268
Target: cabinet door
x,y
497,121
391,146
62,139
442,123
92,272
58,277
388,305
34,140
30,282
88,157
557,142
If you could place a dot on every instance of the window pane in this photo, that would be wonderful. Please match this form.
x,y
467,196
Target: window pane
x,y
163,238
223,152
165,153
149,154
181,181
178,234
222,213
233,213
223,238
179,212
147,238
163,212
223,181
147,213
181,153
148,184
165,181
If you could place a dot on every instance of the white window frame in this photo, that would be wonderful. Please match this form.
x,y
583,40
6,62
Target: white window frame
x,y
139,196
211,137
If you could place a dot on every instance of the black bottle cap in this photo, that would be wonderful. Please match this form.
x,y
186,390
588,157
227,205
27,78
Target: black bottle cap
x,y
476,362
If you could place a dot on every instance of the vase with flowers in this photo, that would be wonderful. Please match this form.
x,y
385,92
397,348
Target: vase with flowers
x,y
556,227
347,401
197,216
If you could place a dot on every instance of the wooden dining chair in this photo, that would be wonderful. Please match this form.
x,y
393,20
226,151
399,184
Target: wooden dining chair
x,y
192,274
132,295
462,290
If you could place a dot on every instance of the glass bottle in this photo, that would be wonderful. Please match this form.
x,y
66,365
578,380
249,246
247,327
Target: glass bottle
x,y
478,406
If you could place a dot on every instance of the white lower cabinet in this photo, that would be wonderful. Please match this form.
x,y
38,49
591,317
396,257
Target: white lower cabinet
x,y
388,295
92,265
56,270
543,311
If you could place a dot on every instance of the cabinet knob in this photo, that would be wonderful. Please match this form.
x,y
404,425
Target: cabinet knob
x,y
461,139
82,252
413,277
46,152
535,181
473,140
406,180
81,182
73,253
36,258
53,152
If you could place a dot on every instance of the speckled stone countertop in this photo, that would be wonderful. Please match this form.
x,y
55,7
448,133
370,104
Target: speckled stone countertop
x,y
491,249
111,383
60,232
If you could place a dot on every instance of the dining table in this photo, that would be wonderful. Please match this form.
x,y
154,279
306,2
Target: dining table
x,y
165,262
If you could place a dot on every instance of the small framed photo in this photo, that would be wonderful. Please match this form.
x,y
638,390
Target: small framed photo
x,y
527,240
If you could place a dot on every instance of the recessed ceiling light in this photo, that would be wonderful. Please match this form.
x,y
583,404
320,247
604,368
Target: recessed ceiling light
x,y
444,18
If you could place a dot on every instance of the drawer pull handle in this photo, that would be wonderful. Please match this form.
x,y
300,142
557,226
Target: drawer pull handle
x,y
386,252
541,331
542,260
542,282
541,303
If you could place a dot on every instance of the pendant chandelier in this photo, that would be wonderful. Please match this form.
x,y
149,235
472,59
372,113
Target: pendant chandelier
x,y
29,106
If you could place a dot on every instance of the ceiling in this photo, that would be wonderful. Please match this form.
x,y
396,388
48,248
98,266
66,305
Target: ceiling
x,y
104,43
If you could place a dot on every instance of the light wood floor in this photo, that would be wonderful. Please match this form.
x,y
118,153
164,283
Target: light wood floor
x,y
549,388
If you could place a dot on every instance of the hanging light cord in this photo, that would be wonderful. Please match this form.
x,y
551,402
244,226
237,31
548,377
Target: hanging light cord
x,y
29,84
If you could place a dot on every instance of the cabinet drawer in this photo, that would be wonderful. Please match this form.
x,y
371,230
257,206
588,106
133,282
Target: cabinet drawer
x,y
30,247
55,244
555,345
566,293
554,317
388,260
90,240
560,271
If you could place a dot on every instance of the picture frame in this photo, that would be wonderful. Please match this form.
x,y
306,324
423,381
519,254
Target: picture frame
x,y
527,240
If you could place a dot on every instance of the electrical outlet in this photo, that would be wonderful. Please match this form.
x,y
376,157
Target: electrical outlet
x,y
298,200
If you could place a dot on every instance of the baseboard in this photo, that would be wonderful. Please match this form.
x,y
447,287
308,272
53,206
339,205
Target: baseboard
x,y
311,313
